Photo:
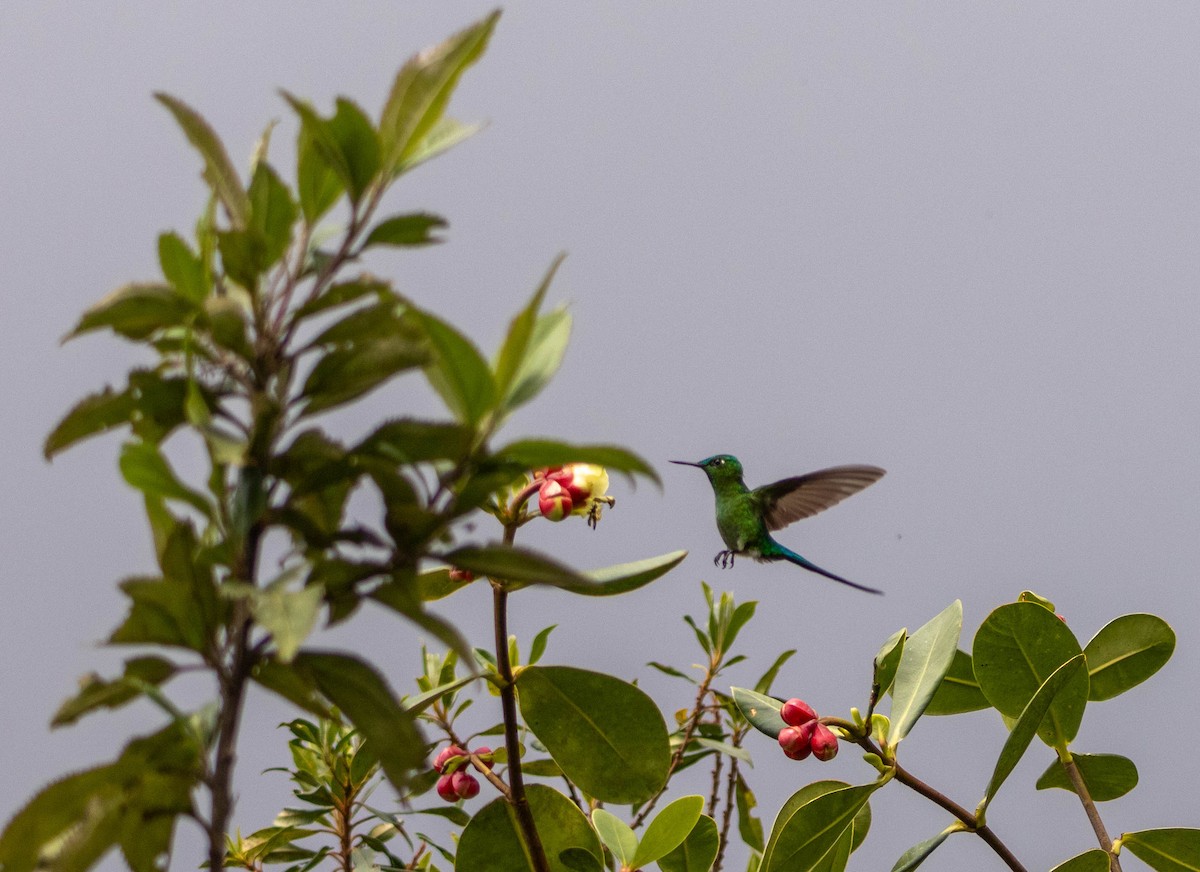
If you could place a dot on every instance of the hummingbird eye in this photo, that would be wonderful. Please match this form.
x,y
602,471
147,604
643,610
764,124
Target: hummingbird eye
x,y
720,461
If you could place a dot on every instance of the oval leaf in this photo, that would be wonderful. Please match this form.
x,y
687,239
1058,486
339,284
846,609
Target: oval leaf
x,y
1094,860
698,851
669,829
492,840
1126,652
885,662
924,662
1171,849
959,691
761,711
607,735
801,839
1107,776
615,834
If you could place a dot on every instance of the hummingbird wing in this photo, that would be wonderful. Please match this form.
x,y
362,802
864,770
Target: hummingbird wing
x,y
790,500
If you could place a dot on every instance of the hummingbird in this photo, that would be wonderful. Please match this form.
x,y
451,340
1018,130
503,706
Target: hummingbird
x,y
745,518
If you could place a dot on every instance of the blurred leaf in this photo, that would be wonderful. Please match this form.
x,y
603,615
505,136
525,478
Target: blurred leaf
x,y
492,840
698,851
1126,652
761,711
538,646
514,565
520,331
668,830
615,835
1025,728
959,691
422,89
218,171
243,255
918,853
287,682
763,685
723,748
542,453
272,212
358,143
162,612
346,143
344,293
135,311
442,137
606,735
317,184
415,228
1016,649
402,594
92,415
182,268
458,371
364,697
1094,860
345,374
407,441
1107,776
95,693
288,615
1171,849
806,830
543,356
926,659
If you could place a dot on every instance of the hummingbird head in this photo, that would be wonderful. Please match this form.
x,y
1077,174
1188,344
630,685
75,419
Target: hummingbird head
x,y
718,468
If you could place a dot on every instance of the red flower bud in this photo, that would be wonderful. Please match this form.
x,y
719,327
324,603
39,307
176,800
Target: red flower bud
x,y
464,784
484,753
796,741
796,712
439,762
553,501
824,743
445,788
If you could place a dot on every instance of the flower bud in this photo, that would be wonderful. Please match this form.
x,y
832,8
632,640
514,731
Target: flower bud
x,y
796,741
484,753
445,788
462,576
554,502
796,712
439,762
464,784
824,743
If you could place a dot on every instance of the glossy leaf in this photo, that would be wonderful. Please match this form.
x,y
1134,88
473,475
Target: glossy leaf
x,y
805,832
919,853
96,693
927,656
218,170
492,840
365,698
669,829
542,453
837,858
422,89
1025,728
136,311
607,735
1126,652
959,691
415,228
1107,776
616,835
761,711
1016,649
1171,849
1094,860
698,851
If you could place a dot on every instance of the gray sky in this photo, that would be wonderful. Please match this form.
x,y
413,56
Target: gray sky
x,y
957,242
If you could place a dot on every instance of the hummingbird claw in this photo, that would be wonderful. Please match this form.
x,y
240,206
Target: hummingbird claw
x,y
724,559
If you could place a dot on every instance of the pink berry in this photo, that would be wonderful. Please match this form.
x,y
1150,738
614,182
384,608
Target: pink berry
x,y
464,784
824,743
796,712
445,788
796,741
439,762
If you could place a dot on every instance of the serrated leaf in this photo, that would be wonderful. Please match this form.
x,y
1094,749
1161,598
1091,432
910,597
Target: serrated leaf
x,y
1171,849
542,453
607,735
218,170
698,851
926,659
761,711
668,830
414,228
1126,652
1107,776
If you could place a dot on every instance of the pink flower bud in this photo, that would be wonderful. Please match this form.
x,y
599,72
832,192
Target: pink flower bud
x,y
796,712
464,784
796,741
824,743
439,762
585,482
553,501
445,788
484,753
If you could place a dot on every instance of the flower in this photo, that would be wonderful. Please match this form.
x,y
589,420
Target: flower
x,y
554,501
796,712
584,484
824,743
796,741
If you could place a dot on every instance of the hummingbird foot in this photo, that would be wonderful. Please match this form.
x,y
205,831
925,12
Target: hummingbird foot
x,y
724,559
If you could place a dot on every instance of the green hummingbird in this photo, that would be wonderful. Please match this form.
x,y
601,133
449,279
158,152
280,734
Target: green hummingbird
x,y
745,517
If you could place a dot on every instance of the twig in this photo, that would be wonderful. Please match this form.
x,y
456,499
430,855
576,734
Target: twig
x,y
1089,806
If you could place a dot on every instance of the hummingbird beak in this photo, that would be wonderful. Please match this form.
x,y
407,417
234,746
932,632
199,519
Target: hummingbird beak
x,y
687,463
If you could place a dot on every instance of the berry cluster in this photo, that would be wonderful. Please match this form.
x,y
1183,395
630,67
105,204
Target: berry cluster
x,y
804,734
456,782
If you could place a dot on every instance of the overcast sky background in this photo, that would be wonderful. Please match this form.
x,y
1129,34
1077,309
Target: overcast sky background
x,y
958,241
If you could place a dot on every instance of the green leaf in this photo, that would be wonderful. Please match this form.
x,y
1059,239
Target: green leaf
x,y
1025,728
698,851
442,137
763,685
414,228
669,829
615,835
458,371
513,564
888,659
492,840
163,612
272,212
289,683
761,711
542,453
607,735
364,697
422,89
1094,860
924,662
804,832
144,467
95,693
92,415
243,256
317,183
543,356
538,646
358,143
1126,652
1171,849
345,374
918,853
218,170
625,577
346,143
1016,649
520,331
406,441
750,828
723,748
1107,776
182,268
959,691
136,311
288,615
580,860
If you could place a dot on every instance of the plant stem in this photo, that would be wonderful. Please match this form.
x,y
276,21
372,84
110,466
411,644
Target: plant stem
x,y
233,687
730,800
1089,806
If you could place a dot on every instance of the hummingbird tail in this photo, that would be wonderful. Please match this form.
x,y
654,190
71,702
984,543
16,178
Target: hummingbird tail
x,y
792,557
